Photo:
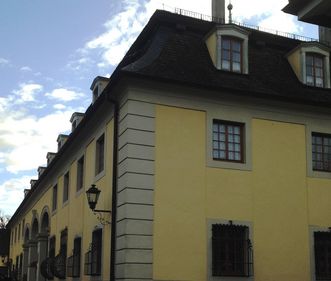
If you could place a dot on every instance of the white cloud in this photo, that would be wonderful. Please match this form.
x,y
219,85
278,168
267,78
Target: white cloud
x,y
4,61
64,95
27,92
26,68
26,139
59,106
12,192
121,30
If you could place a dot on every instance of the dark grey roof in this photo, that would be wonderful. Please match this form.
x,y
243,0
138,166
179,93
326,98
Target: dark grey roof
x,y
172,48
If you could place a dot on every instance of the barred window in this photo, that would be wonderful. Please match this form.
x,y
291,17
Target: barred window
x,y
73,262
321,152
228,141
231,250
92,259
88,262
322,246
96,252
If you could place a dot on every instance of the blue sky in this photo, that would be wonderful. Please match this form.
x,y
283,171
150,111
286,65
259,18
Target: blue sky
x,y
51,51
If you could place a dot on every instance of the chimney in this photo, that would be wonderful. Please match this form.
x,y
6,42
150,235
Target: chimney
x,y
218,10
325,35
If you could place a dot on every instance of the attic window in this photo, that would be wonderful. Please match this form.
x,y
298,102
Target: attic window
x,y
310,62
314,70
231,52
228,48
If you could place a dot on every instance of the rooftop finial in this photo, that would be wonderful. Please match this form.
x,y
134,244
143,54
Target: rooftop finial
x,y
230,7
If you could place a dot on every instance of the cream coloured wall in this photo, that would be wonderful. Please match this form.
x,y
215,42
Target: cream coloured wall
x,y
276,197
211,45
295,62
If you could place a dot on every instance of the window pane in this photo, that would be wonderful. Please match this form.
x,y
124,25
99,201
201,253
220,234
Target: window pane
x,y
230,129
310,80
309,60
236,67
236,57
222,155
236,46
237,156
318,61
319,82
215,136
309,71
225,65
225,55
225,44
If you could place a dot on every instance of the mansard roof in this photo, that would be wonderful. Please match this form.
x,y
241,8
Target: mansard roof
x,y
172,48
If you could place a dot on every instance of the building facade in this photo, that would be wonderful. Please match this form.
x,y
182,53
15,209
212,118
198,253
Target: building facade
x,y
221,170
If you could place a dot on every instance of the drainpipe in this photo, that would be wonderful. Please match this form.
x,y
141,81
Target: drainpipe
x,y
114,188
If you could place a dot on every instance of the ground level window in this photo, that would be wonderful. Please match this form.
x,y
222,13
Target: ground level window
x,y
322,245
228,141
321,152
231,250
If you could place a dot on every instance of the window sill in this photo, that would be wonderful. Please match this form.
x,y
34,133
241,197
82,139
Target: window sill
x,y
79,192
64,204
99,176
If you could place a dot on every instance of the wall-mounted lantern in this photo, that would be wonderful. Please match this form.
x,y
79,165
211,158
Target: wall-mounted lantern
x,y
92,195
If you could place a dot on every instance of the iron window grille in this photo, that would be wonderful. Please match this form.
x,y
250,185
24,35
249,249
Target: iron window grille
x,y
73,262
322,247
88,262
314,70
232,253
61,259
321,152
92,260
228,141
47,268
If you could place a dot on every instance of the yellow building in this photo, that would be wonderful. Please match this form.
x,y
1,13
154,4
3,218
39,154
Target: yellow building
x,y
222,168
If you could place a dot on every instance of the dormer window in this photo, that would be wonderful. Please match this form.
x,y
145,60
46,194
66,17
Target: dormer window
x,y
228,48
310,62
314,70
231,52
